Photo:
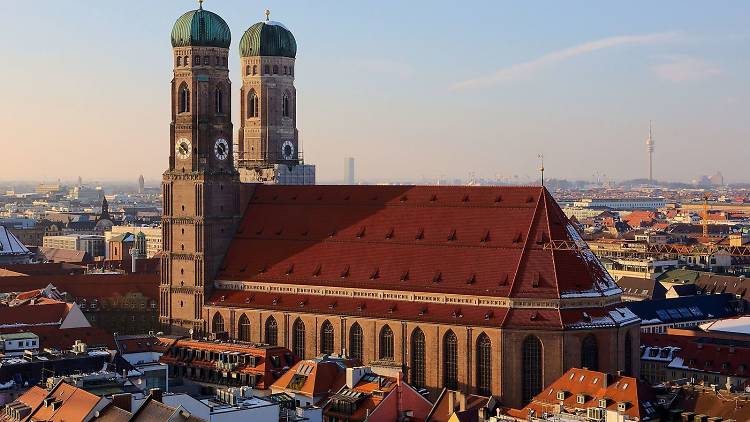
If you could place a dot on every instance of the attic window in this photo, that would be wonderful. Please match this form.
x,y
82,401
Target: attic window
x,y
452,235
347,197
404,198
499,198
433,198
302,303
290,270
420,234
458,314
561,395
535,280
392,309
438,277
259,231
405,275
472,279
361,232
375,274
304,233
503,280
318,270
332,233
485,236
603,403
581,399
534,316
243,269
361,306
263,269
279,231
489,315
541,238
249,298
275,301
422,311
332,305
294,197
517,238
465,198
530,199
389,235
622,407
345,273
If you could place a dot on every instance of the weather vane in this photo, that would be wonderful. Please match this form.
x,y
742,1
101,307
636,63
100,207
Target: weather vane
x,y
268,13
541,166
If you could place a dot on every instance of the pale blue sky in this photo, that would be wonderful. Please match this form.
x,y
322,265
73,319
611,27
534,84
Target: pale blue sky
x,y
410,89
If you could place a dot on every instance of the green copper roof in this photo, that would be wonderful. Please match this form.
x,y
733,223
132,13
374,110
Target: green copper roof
x,y
201,28
268,38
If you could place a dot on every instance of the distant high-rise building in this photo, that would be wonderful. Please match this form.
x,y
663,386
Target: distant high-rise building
x,y
80,181
349,170
141,185
650,149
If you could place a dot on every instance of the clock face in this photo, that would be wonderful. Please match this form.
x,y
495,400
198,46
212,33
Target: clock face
x,y
183,148
287,150
221,149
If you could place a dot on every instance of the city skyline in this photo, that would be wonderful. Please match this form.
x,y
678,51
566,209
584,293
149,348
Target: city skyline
x,y
529,85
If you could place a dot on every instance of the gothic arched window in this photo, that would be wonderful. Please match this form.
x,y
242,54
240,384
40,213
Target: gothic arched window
x,y
298,338
531,360
272,331
418,364
187,60
218,61
217,323
285,105
484,365
252,104
206,60
386,343
590,353
224,61
326,338
247,70
255,69
355,342
450,360
219,100
184,99
266,70
179,61
628,354
243,328
275,69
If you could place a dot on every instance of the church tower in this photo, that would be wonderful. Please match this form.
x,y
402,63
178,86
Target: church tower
x,y
201,186
269,149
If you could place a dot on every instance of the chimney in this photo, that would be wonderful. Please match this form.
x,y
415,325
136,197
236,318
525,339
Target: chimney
x,y
155,394
123,401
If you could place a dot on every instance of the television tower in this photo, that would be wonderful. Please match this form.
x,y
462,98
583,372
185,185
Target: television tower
x,y
650,149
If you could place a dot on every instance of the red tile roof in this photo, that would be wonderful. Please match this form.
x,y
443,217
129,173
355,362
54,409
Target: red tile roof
x,y
87,285
443,239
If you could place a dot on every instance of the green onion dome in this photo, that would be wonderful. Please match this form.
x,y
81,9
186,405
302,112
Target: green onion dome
x,y
201,28
268,38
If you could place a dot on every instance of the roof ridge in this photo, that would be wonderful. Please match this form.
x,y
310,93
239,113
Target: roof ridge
x,y
523,256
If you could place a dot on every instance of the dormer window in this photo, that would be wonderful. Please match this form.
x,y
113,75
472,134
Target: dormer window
x,y
622,406
603,403
561,395
581,399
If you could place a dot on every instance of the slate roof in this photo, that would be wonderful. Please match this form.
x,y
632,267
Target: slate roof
x,y
10,245
684,309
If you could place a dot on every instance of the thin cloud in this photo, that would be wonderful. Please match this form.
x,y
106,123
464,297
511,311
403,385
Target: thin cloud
x,y
685,69
524,69
383,67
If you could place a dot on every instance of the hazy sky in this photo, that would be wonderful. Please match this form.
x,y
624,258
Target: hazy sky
x,y
411,89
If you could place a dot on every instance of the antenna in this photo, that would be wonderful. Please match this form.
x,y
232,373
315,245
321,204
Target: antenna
x,y
650,150
541,166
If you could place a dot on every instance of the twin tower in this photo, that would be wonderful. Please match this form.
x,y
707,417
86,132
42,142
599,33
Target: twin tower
x,y
201,188
268,147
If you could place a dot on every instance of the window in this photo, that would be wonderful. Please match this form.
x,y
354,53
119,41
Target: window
x,y
326,338
590,353
247,70
450,360
386,343
298,339
418,359
628,354
206,60
275,69
531,370
561,395
218,61
243,332
484,365
581,399
184,100
217,323
266,70
272,331
355,342
179,61
255,69
285,105
224,61
252,104
187,60
219,100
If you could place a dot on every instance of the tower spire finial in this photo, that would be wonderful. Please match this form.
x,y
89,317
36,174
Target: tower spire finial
x,y
268,14
200,4
541,166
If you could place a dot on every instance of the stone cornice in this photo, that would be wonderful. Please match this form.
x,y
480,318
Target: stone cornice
x,y
423,297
